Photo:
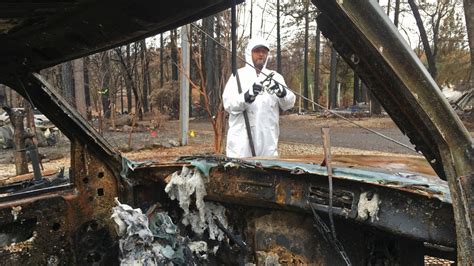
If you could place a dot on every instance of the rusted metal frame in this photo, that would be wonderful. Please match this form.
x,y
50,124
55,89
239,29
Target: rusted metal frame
x,y
47,218
18,201
31,194
418,184
147,179
69,121
403,214
69,218
88,199
35,162
425,186
83,30
398,79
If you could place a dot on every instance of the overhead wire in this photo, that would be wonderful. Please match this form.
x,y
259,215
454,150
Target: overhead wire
x,y
306,98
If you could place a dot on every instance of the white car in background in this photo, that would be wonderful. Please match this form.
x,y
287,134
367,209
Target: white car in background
x,y
46,132
40,119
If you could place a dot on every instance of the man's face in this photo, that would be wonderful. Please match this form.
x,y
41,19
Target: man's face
x,y
259,56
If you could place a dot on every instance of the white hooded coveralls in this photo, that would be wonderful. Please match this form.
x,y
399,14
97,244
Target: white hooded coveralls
x,y
263,113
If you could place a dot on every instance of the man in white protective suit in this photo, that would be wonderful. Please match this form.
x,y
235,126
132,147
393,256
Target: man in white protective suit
x,y
262,104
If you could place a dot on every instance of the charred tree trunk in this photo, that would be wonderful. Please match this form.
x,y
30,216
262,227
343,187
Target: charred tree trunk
x,y
332,80
87,89
221,121
251,18
3,96
209,62
129,83
126,67
218,72
317,67
305,64
278,38
146,75
67,81
469,15
174,55
121,96
16,118
79,91
162,63
356,89
203,67
424,38
389,3
30,117
105,90
397,13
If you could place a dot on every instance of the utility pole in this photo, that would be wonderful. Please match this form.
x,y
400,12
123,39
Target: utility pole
x,y
184,91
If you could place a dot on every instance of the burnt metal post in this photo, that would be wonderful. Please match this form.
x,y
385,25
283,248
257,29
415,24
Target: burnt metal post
x,y
32,152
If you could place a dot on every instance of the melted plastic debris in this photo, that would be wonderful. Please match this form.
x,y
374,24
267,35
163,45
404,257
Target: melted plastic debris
x,y
368,207
184,184
199,248
181,187
15,212
153,238
157,244
136,238
211,212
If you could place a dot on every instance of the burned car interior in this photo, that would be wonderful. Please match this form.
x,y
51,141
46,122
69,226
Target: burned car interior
x,y
211,209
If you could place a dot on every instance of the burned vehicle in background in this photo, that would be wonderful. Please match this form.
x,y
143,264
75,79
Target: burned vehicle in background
x,y
257,210
47,133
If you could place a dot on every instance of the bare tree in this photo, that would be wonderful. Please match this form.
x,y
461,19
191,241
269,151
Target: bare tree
x,y
306,51
162,48
79,86
424,38
67,81
3,95
129,70
146,84
317,67
396,16
435,14
278,37
332,81
174,54
210,68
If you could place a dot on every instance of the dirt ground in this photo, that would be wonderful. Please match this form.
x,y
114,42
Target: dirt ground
x,y
300,135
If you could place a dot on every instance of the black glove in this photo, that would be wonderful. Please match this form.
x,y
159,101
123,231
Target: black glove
x,y
280,91
250,95
257,88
